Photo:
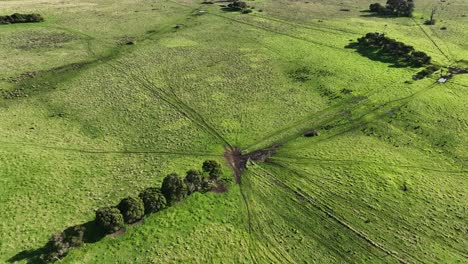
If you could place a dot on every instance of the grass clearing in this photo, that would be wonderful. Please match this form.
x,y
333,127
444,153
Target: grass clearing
x,y
95,121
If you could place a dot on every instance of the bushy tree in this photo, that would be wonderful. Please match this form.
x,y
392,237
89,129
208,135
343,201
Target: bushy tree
x,y
401,7
109,219
193,179
213,168
419,58
153,200
60,244
173,188
377,7
394,7
238,5
132,209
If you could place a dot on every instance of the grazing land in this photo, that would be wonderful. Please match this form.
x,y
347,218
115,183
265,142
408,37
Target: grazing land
x,y
104,98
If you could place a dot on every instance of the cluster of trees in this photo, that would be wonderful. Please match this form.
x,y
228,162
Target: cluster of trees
x,y
237,5
394,8
21,18
398,50
429,70
132,209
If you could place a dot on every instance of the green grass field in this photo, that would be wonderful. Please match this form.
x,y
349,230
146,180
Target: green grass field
x,y
86,120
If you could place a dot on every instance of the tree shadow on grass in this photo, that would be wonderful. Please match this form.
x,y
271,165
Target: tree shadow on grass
x,y
368,13
92,234
230,9
379,55
31,256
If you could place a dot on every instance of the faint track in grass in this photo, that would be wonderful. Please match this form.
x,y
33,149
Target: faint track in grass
x,y
306,26
459,84
432,40
351,162
305,197
329,212
322,116
273,182
264,232
389,214
102,151
297,129
172,101
280,33
266,29
249,221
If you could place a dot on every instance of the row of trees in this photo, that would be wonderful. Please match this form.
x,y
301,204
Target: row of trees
x,y
394,8
21,18
398,50
133,208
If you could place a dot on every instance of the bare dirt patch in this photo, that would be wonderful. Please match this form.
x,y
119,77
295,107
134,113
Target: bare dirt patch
x,y
238,161
118,233
220,188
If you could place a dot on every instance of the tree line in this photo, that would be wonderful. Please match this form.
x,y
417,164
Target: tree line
x,y
21,18
132,209
396,49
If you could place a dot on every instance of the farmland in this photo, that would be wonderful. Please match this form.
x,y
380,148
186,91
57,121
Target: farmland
x,y
105,98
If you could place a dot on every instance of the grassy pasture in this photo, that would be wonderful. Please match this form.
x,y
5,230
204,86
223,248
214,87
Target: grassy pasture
x,y
384,182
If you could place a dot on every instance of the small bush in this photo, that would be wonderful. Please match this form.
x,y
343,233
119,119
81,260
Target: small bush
x,y
173,188
430,22
153,200
246,11
213,168
132,209
109,219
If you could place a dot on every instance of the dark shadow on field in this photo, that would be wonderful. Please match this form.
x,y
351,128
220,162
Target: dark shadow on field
x,y
368,13
31,256
92,234
230,9
378,55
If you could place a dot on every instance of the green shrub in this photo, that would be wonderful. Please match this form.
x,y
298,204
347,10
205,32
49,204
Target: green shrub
x,y
132,209
193,179
60,244
173,188
109,219
153,200
213,168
